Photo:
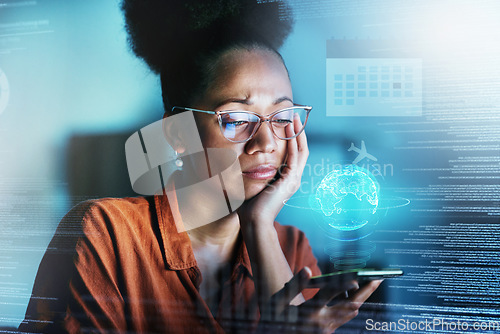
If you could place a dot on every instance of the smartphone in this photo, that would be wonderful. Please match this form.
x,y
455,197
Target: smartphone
x,y
361,275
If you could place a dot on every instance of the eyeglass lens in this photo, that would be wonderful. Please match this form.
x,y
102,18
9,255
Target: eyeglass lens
x,y
241,126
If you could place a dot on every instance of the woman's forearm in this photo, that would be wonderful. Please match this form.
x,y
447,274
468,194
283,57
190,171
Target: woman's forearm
x,y
270,268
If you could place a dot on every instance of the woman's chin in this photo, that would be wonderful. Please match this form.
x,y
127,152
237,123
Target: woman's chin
x,y
253,187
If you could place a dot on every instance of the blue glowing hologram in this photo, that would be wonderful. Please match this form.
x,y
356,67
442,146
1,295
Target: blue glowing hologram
x,y
350,254
348,196
347,199
347,204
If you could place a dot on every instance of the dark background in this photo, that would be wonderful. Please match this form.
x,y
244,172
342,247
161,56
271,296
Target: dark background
x,y
71,93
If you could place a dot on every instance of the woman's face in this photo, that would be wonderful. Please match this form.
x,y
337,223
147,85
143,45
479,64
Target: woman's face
x,y
255,81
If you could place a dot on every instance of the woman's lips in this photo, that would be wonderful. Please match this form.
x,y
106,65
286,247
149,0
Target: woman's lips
x,y
262,172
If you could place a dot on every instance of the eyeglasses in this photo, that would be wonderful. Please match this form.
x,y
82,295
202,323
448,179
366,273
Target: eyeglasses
x,y
240,126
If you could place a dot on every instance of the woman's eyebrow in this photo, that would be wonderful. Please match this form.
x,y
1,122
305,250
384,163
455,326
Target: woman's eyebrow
x,y
283,99
248,102
232,100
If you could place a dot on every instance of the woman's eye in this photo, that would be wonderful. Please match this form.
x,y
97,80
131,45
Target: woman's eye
x,y
235,123
282,122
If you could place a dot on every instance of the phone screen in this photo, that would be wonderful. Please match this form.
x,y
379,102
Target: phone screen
x,y
341,277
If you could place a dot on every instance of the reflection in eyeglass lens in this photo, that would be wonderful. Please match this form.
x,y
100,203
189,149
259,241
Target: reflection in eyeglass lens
x,y
240,126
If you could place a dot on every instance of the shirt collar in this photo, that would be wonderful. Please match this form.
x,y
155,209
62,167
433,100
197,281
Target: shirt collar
x,y
178,250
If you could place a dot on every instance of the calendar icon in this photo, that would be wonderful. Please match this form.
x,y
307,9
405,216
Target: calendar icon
x,y
367,79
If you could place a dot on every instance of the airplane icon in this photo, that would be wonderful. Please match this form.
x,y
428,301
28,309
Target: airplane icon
x,y
362,153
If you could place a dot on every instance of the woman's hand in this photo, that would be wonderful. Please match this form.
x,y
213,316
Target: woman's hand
x,y
269,265
313,316
263,208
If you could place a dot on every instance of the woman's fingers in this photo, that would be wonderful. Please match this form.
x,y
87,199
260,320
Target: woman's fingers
x,y
297,147
297,153
362,294
331,290
281,299
292,146
333,317
301,141
329,318
314,315
346,310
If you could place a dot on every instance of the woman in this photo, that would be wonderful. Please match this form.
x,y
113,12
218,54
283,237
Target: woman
x,y
120,265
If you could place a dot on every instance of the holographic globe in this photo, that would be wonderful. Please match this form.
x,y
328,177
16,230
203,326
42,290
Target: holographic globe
x,y
348,198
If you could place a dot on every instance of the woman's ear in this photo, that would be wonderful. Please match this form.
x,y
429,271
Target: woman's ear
x,y
181,132
173,133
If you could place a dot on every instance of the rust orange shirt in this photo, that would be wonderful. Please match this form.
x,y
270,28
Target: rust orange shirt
x,y
119,265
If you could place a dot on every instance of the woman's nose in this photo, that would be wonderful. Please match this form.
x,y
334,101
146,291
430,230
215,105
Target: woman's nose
x,y
262,141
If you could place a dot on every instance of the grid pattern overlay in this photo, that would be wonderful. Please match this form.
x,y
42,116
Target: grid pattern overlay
x,y
374,87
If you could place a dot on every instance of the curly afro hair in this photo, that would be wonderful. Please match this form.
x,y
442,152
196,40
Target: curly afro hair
x,y
182,39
